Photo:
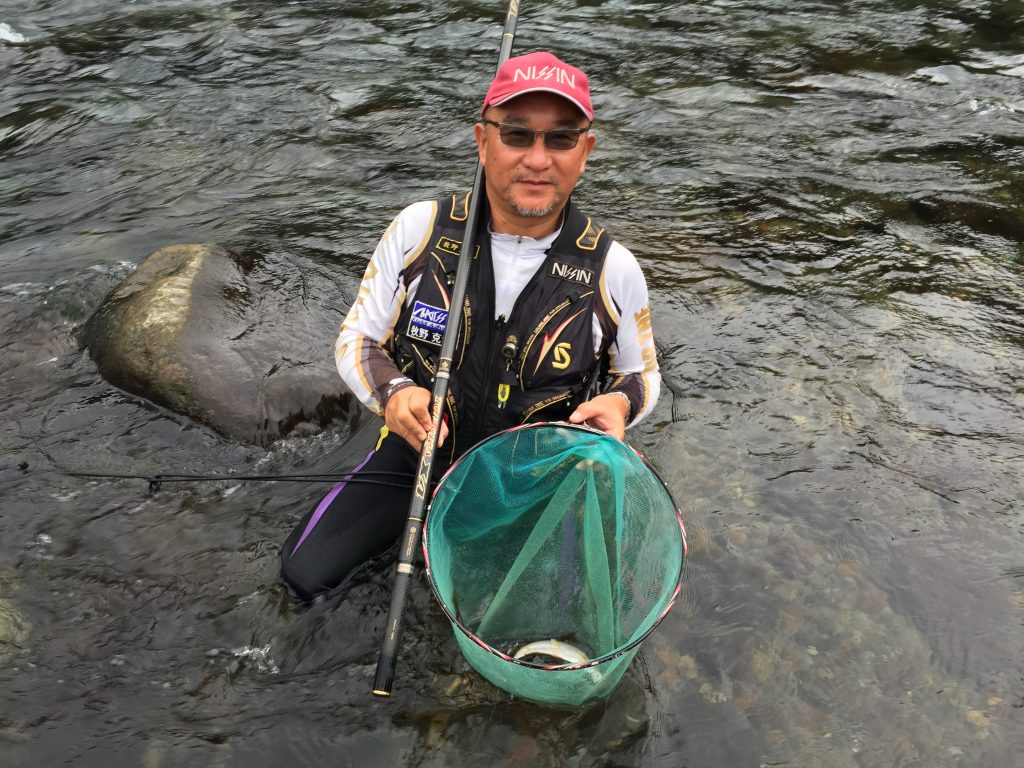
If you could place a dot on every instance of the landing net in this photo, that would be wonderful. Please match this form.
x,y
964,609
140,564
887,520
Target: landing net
x,y
558,543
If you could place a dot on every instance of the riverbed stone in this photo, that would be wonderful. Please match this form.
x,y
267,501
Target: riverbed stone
x,y
230,340
14,631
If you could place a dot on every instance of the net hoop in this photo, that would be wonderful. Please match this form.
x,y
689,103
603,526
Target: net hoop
x,y
569,666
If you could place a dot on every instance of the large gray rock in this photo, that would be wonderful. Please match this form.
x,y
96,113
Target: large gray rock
x,y
237,344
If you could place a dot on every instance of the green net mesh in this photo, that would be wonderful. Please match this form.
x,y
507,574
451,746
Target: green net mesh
x,y
553,532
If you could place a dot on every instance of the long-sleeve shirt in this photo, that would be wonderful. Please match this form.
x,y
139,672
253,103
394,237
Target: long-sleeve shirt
x,y
372,375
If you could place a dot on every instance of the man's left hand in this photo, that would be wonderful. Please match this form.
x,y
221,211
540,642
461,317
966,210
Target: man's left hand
x,y
605,412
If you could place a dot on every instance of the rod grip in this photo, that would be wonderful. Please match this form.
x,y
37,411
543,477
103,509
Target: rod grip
x,y
385,676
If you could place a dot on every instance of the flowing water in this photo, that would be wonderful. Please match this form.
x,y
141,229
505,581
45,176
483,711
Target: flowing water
x,y
826,198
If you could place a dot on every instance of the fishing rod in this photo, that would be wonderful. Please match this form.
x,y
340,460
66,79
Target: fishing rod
x,y
414,524
156,480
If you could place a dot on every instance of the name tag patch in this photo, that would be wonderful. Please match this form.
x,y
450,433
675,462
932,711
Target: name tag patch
x,y
448,245
427,323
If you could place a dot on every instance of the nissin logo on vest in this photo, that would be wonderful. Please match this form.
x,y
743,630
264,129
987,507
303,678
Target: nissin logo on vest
x,y
575,274
557,74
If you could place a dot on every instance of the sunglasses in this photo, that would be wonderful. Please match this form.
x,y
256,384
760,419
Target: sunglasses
x,y
523,138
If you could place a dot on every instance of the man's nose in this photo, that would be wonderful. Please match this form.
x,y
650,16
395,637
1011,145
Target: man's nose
x,y
537,156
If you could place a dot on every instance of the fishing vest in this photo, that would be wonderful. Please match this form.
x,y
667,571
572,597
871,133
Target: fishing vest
x,y
538,363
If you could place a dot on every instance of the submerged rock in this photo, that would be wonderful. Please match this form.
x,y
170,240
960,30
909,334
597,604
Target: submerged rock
x,y
225,340
14,630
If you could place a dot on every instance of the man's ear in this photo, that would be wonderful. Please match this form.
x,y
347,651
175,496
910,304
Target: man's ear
x,y
588,147
480,134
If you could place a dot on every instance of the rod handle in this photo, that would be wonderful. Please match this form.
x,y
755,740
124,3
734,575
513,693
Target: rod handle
x,y
385,677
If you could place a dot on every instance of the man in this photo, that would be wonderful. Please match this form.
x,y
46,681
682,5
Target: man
x,y
556,323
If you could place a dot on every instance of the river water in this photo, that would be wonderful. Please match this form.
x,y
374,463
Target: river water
x,y
826,198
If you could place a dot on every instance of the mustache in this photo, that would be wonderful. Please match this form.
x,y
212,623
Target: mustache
x,y
534,179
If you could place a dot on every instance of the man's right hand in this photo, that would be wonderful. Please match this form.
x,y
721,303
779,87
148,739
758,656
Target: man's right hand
x,y
407,415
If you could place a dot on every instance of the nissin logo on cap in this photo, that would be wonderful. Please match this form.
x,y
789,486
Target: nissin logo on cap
x,y
557,74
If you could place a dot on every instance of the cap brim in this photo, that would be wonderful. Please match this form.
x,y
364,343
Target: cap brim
x,y
541,89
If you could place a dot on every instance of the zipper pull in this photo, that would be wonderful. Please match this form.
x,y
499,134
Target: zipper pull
x,y
503,391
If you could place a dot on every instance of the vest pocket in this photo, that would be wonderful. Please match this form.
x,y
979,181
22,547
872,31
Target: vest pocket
x,y
556,407
428,361
559,346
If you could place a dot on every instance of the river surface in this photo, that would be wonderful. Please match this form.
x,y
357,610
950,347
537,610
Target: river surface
x,y
827,200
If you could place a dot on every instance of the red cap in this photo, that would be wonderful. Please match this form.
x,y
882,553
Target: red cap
x,y
540,71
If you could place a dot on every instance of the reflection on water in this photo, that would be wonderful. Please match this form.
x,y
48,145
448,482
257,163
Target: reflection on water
x,y
826,200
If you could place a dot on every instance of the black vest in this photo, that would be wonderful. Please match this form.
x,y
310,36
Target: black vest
x,y
538,363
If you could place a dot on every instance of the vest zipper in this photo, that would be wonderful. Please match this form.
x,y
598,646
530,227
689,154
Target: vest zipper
x,y
492,349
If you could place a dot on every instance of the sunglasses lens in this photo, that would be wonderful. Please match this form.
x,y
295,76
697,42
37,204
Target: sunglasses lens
x,y
561,139
517,137
523,138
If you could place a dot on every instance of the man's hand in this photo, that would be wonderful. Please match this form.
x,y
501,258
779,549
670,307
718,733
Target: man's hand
x,y
407,415
605,412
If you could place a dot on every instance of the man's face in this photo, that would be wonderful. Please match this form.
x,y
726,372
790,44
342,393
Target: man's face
x,y
531,183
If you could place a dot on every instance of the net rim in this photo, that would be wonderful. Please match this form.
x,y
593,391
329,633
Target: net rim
x,y
570,667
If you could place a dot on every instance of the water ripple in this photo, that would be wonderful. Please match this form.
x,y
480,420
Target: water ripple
x,y
826,200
